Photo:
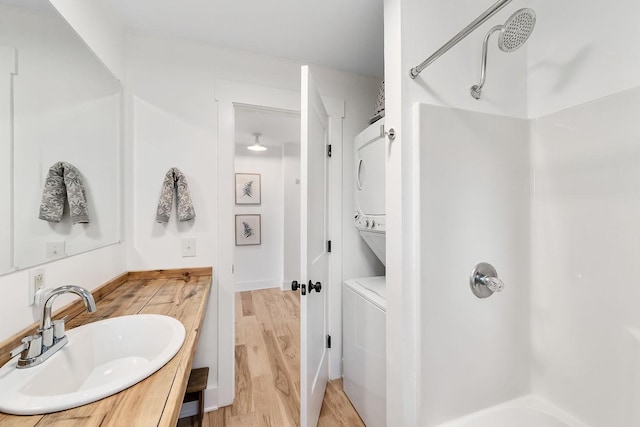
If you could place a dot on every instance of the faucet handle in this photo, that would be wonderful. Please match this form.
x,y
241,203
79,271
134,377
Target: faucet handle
x,y
16,351
31,347
58,328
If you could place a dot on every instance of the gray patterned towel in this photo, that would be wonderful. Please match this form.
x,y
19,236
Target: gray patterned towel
x,y
175,179
63,183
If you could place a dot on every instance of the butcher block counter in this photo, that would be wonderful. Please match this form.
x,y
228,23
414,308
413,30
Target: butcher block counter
x,y
156,400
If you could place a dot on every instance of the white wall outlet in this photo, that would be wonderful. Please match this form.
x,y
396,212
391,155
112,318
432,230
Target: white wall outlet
x,y
55,250
36,282
189,247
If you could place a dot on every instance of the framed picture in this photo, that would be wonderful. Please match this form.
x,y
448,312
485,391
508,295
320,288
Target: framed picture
x,y
248,230
248,189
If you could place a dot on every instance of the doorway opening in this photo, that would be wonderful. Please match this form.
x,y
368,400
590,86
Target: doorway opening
x,y
267,198
231,98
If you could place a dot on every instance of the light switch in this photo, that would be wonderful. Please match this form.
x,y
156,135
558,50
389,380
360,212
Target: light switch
x,y
189,247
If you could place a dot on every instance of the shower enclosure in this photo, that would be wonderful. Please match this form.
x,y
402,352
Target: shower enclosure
x,y
541,179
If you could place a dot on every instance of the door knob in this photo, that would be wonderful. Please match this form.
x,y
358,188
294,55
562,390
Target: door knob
x,y
317,287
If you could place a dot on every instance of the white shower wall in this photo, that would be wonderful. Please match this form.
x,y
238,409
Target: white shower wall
x,y
475,183
585,312
584,87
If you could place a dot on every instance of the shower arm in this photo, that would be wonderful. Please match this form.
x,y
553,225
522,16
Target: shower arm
x,y
458,37
483,70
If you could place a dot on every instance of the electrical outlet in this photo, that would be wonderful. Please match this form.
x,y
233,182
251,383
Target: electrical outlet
x,y
36,282
189,247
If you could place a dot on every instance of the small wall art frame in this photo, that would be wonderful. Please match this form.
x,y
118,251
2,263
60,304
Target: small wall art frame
x,y
248,230
248,190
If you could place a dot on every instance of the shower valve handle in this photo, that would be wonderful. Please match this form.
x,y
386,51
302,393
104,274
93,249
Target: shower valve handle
x,y
484,280
493,283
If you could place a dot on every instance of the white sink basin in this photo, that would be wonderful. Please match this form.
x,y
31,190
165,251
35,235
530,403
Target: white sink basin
x,y
101,359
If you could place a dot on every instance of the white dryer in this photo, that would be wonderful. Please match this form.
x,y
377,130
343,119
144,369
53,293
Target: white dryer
x,y
370,187
364,347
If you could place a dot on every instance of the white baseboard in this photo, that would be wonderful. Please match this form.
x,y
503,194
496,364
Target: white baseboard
x,y
253,286
211,399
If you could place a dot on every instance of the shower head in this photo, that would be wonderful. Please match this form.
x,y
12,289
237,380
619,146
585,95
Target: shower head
x,y
516,30
513,34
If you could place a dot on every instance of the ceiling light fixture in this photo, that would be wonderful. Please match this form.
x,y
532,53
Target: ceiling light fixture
x,y
257,146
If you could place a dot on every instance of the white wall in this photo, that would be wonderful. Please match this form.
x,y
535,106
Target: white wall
x,y
585,315
291,186
427,25
8,61
262,266
572,61
401,271
584,321
100,27
89,270
171,103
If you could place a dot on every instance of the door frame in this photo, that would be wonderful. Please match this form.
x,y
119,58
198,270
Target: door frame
x,y
228,94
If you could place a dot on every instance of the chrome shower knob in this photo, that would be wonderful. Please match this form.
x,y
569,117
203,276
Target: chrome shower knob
x,y
493,283
484,280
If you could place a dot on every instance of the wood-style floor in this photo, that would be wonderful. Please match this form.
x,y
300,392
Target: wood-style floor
x,y
268,368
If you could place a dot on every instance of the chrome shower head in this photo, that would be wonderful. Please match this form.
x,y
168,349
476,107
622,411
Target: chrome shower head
x,y
516,30
513,34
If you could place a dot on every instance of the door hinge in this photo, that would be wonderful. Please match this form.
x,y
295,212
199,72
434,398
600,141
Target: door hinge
x,y
328,341
329,150
328,245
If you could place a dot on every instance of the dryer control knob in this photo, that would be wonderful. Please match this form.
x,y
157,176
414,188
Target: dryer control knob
x,y
373,223
366,223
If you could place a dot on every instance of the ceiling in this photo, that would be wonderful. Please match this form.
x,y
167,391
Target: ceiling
x,y
342,34
277,128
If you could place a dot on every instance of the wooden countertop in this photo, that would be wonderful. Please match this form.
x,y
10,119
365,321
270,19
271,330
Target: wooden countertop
x,y
155,401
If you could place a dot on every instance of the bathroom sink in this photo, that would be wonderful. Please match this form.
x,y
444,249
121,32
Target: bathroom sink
x,y
100,359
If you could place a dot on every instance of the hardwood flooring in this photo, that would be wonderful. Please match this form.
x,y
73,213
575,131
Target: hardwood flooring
x,y
268,368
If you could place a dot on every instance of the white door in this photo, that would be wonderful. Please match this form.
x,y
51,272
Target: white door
x,y
314,260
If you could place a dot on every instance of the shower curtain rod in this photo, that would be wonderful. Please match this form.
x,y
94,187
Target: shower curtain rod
x,y
458,37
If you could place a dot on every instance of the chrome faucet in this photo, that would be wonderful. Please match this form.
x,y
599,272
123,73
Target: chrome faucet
x,y
51,337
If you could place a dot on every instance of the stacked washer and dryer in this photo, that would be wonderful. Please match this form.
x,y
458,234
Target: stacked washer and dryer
x,y
364,299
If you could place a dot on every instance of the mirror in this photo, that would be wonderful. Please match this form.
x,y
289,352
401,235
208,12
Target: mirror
x,y
59,103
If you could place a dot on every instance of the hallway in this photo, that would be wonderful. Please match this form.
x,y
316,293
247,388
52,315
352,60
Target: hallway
x,y
268,368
